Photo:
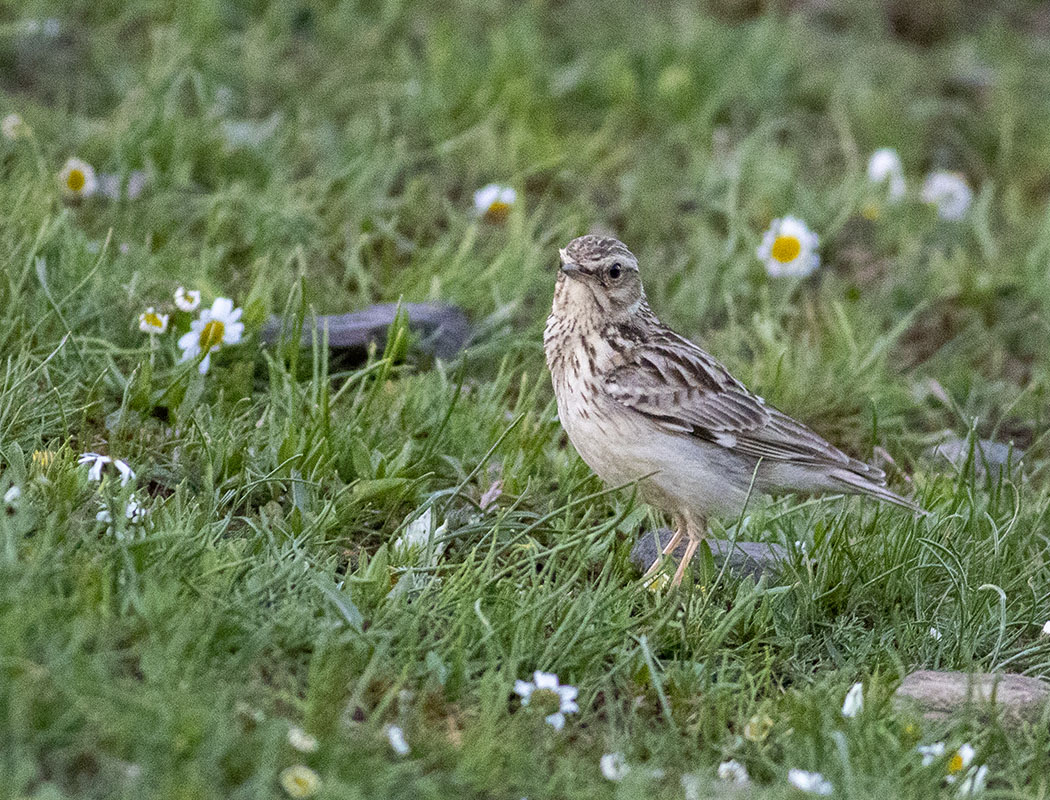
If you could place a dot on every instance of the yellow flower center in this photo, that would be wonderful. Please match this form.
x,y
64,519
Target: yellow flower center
x,y
547,700
211,335
955,764
786,248
498,211
75,180
153,320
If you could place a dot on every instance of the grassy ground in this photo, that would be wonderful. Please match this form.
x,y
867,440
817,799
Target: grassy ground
x,y
265,590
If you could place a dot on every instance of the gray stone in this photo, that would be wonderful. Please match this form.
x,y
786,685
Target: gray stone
x,y
745,558
443,329
989,456
936,695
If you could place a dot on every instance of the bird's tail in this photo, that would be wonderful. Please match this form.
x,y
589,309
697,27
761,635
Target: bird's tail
x,y
860,484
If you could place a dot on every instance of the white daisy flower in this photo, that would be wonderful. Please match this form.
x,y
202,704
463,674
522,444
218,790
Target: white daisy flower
x,y
885,167
300,782
301,740
187,299
812,782
217,326
152,322
78,179
493,202
854,702
960,761
13,127
98,461
733,771
974,782
949,192
789,249
397,740
1046,628
614,767
545,689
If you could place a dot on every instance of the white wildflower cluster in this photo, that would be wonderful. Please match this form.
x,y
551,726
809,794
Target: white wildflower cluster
x,y
134,512
77,178
215,328
788,248
947,191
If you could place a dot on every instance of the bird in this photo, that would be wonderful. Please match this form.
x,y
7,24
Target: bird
x,y
643,405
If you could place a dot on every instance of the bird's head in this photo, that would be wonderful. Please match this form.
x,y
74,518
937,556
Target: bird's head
x,y
599,274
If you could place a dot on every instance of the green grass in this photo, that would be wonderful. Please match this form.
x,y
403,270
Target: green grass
x,y
169,659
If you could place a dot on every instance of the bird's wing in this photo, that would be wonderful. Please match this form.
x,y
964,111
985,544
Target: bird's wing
x,y
683,389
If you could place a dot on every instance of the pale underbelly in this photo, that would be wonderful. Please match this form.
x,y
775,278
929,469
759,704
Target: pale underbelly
x,y
673,472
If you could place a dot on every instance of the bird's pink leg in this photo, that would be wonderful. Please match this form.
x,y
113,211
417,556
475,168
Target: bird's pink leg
x,y
695,530
672,543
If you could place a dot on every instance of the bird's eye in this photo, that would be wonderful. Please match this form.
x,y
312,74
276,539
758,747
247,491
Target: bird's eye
x,y
615,270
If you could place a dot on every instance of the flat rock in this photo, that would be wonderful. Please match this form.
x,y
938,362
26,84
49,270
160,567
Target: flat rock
x,y
937,695
443,330
989,456
745,558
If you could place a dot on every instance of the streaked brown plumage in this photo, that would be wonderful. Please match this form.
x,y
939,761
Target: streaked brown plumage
x,y
641,403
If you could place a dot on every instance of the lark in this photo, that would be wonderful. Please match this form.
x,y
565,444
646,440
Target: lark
x,y
643,405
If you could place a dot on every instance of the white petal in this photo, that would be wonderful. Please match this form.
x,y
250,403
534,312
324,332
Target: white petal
x,y
126,474
930,752
221,308
556,720
974,783
301,740
485,197
396,737
567,693
233,332
854,702
524,689
546,680
205,364
190,343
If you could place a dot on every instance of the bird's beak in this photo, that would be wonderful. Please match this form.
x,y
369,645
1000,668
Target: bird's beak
x,y
568,266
